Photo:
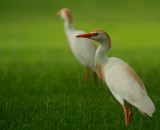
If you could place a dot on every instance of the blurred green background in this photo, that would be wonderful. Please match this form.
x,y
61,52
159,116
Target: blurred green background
x,y
41,83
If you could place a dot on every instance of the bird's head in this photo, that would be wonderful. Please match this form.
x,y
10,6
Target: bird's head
x,y
65,14
98,35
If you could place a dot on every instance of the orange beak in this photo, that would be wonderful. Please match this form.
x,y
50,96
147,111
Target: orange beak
x,y
58,13
87,35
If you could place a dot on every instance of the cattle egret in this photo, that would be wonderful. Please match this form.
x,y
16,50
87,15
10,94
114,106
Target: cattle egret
x,y
121,79
83,49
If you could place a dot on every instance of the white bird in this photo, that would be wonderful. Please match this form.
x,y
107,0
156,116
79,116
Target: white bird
x,y
83,49
123,82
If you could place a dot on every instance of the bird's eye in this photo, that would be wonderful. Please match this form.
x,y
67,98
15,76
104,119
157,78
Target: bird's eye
x,y
96,34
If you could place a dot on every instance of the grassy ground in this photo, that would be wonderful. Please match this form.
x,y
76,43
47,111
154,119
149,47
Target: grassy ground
x,y
41,83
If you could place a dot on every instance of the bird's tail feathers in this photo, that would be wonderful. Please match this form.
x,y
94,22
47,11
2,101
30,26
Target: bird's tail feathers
x,y
146,106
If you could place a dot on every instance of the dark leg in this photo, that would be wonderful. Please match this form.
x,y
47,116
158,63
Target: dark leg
x,y
125,114
129,115
87,74
95,76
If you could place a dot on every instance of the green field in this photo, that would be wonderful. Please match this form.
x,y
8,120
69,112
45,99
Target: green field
x,y
41,83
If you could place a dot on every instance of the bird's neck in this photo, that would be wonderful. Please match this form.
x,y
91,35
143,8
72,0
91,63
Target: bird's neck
x,y
68,25
101,52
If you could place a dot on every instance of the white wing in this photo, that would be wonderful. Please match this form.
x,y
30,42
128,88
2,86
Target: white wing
x,y
125,84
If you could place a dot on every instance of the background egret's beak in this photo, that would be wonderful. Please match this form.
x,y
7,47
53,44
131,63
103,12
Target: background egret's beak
x,y
58,13
88,35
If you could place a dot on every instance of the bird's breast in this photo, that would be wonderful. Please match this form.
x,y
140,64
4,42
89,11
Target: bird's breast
x,y
100,71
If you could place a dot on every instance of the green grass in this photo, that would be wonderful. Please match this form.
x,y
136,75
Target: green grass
x,y
41,83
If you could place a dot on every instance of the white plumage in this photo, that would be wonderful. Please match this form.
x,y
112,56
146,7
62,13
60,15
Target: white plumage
x,y
83,49
124,87
121,79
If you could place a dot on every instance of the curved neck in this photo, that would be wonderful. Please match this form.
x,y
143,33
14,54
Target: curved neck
x,y
68,26
101,52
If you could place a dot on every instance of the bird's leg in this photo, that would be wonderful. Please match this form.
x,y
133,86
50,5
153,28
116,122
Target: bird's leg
x,y
95,76
129,115
125,114
87,74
